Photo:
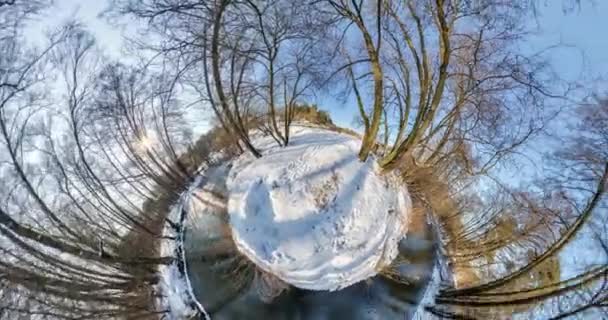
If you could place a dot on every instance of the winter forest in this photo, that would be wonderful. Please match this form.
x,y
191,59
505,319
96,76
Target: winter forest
x,y
306,160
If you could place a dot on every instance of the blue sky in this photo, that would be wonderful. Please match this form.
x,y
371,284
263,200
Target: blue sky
x,y
585,29
581,55
582,34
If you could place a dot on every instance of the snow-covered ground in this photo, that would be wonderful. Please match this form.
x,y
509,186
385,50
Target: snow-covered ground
x,y
176,294
312,214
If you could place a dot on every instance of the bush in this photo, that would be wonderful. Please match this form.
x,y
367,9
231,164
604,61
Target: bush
x,y
312,114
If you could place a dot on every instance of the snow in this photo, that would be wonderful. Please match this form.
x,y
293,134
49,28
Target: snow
x,y
174,286
314,215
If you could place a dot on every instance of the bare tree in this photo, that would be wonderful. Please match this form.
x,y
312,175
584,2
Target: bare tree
x,y
576,199
353,13
284,36
256,58
79,168
446,72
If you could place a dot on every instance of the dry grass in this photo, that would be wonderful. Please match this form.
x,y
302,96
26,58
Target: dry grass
x,y
269,286
326,193
430,194
139,243
392,271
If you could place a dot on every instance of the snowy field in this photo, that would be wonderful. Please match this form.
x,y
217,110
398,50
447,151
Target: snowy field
x,y
312,214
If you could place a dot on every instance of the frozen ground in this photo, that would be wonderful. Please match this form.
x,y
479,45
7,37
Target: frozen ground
x,y
312,214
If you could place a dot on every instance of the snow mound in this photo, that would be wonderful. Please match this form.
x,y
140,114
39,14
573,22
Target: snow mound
x,y
312,214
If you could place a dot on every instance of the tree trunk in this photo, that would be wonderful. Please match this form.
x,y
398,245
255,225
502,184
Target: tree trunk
x,y
218,81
